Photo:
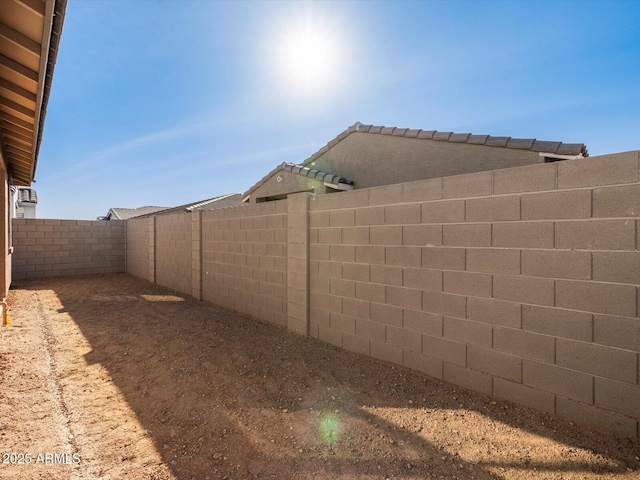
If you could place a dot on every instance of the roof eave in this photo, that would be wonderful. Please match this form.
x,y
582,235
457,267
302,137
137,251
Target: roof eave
x,y
54,21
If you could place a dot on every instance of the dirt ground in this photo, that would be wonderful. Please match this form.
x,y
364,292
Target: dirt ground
x,y
122,379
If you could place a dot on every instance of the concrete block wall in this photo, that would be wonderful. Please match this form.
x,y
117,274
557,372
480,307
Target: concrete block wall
x,y
49,248
519,283
173,251
244,259
298,263
141,247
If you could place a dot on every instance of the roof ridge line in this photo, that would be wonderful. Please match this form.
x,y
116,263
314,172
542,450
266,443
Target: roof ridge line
x,y
533,144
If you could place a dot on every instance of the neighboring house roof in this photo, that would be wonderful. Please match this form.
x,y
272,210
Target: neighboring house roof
x,y
543,146
127,213
29,38
327,178
553,150
26,195
228,200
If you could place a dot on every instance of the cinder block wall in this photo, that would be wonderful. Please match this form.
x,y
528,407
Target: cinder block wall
x,y
244,259
49,248
173,251
141,247
520,283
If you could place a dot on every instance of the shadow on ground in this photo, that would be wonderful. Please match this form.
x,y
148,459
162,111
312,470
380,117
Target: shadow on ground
x,y
221,395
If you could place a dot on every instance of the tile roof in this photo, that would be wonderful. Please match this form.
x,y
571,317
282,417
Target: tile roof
x,y
232,199
127,213
553,148
209,203
532,144
300,170
27,195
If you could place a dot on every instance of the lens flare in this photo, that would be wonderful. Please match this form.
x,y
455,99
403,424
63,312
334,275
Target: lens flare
x,y
330,428
308,52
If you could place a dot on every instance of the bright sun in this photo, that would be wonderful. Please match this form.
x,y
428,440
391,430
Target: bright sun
x,y
309,59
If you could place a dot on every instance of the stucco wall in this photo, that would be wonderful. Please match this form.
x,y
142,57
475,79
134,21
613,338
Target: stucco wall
x,y
520,283
372,160
290,183
5,208
49,248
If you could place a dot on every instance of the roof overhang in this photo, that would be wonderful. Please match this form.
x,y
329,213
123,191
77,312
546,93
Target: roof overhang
x,y
328,179
29,38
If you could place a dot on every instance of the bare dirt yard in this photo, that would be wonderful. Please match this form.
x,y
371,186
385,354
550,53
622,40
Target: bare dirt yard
x,y
117,378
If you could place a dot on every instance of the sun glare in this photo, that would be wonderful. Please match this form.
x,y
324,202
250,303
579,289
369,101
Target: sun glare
x,y
309,59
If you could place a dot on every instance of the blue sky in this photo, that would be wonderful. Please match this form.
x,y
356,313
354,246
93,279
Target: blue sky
x,y
168,102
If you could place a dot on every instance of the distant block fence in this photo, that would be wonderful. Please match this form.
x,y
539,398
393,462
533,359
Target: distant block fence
x,y
234,257
50,248
519,283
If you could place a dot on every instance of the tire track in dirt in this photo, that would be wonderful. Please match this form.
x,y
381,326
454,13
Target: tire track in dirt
x,y
55,385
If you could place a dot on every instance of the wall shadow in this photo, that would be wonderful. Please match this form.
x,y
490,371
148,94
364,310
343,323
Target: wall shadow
x,y
224,396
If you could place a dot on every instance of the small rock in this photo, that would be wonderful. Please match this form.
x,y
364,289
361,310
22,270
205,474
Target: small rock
x,y
217,456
